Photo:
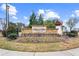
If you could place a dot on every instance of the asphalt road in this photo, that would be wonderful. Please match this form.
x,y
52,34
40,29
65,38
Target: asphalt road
x,y
72,52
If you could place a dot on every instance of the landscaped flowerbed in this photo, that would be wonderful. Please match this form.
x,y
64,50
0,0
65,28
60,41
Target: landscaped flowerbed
x,y
39,39
39,47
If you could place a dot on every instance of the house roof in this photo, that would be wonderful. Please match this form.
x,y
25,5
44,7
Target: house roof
x,y
58,23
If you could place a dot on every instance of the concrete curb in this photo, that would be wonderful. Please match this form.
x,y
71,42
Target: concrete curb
x,y
72,52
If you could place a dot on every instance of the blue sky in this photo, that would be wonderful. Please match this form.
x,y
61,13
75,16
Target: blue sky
x,y
22,11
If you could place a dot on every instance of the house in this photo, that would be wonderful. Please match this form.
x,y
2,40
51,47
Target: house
x,y
59,27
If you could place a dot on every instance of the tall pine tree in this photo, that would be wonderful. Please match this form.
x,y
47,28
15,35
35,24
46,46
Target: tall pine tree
x,y
40,20
32,20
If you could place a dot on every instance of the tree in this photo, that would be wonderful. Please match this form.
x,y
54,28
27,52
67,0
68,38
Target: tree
x,y
20,25
50,24
32,20
2,23
11,29
71,23
40,20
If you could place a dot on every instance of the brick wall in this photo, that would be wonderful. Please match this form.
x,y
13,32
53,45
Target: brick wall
x,y
26,31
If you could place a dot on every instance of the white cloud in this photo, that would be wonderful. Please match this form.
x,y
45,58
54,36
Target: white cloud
x,y
77,12
52,14
72,15
3,6
12,9
41,11
14,17
25,17
48,14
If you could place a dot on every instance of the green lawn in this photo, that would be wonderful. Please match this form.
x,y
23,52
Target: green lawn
x,y
38,47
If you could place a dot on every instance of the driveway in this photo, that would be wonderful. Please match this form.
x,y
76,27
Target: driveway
x,y
72,52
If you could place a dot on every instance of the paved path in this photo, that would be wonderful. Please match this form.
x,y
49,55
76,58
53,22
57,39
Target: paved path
x,y
72,52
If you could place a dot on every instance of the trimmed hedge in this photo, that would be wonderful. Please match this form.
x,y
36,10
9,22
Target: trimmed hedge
x,y
72,34
12,36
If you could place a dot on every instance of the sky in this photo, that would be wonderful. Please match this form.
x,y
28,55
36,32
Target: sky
x,y
20,12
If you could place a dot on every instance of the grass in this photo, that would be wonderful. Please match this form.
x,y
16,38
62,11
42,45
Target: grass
x,y
39,47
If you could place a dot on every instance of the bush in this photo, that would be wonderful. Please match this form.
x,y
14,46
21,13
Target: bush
x,y
72,34
4,33
11,32
12,36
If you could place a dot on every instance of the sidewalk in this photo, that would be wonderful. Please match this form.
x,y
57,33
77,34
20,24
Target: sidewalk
x,y
72,52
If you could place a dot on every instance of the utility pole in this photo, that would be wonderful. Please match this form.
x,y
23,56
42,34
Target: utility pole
x,y
7,16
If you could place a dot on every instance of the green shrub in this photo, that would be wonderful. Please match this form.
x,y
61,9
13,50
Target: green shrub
x,y
12,36
72,34
4,33
11,32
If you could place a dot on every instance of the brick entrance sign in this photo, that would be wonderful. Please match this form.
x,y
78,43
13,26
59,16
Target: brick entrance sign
x,y
40,29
